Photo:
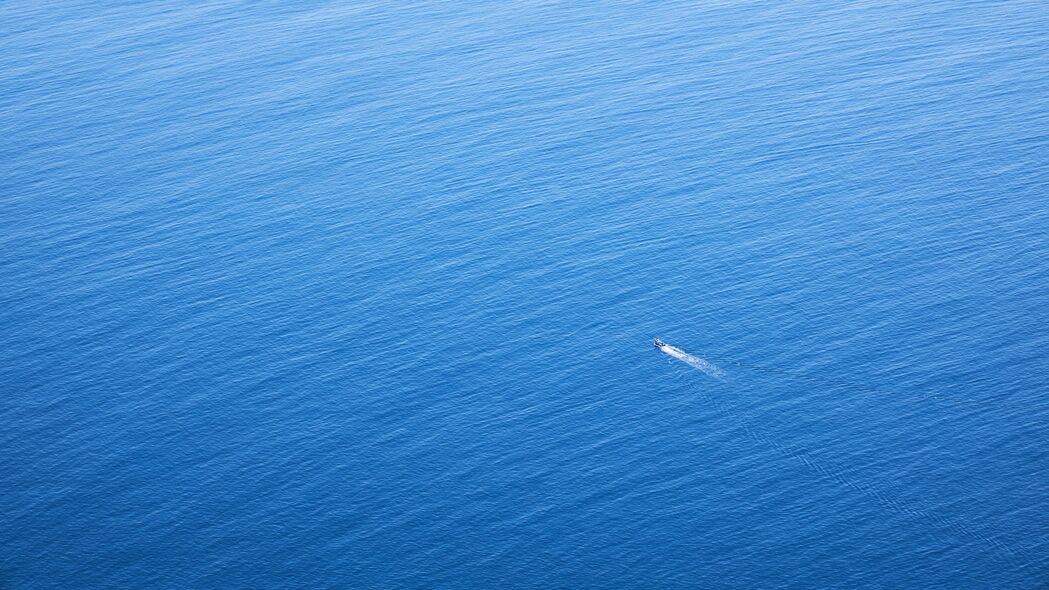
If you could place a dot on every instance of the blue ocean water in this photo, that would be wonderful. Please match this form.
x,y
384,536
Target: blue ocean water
x,y
361,295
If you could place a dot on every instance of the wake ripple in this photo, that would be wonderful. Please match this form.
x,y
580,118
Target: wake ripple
x,y
886,496
703,365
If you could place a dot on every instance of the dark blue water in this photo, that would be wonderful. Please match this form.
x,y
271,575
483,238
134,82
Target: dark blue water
x,y
335,295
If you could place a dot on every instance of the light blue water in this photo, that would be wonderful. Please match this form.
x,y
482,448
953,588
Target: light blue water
x,y
334,295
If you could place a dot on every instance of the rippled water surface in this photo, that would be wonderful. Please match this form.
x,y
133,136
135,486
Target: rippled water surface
x,y
361,295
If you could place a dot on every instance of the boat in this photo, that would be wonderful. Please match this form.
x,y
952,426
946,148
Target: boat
x,y
659,343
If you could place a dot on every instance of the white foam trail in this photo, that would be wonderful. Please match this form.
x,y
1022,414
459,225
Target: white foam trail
x,y
705,366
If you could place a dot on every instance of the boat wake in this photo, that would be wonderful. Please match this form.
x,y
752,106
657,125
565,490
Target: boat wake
x,y
886,494
703,365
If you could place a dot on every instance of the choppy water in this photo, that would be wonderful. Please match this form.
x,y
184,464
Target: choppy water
x,y
337,295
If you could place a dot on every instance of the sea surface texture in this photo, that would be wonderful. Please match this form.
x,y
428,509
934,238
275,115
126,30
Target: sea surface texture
x,y
362,294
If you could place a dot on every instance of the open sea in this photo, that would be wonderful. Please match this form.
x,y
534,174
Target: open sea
x,y
362,294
